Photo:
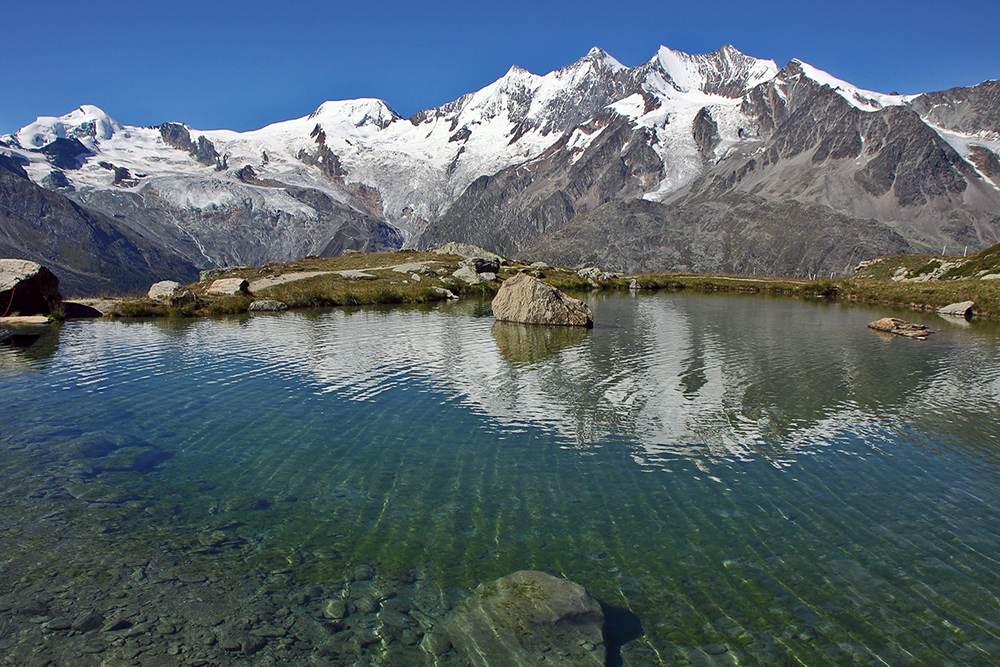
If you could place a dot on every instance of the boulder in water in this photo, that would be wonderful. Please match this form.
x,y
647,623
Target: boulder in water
x,y
961,309
528,300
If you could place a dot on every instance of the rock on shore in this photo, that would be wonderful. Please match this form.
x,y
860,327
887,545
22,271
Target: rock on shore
x,y
27,288
528,300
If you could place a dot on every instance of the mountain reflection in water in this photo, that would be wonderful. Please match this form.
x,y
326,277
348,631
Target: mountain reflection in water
x,y
760,479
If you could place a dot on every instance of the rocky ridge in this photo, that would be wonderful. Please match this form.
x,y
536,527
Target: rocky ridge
x,y
716,138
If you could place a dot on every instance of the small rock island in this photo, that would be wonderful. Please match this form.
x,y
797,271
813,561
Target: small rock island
x,y
528,300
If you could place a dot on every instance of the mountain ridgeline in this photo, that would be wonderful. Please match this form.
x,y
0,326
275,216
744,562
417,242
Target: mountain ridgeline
x,y
715,162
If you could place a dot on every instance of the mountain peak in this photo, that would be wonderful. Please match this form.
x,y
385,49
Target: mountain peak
x,y
726,71
88,123
359,112
600,57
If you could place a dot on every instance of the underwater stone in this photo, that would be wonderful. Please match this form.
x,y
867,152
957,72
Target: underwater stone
x,y
517,620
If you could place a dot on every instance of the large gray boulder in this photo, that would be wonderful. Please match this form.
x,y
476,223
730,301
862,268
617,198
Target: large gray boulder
x,y
171,292
27,288
526,299
527,617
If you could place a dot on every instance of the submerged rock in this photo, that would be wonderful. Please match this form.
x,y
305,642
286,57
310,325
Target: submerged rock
x,y
524,618
528,300
894,325
27,288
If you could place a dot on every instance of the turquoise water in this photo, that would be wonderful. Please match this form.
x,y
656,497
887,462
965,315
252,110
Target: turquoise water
x,y
759,481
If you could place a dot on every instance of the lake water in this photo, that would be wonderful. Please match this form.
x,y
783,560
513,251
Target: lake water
x,y
756,480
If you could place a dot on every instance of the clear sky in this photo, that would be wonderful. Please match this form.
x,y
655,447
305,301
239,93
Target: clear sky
x,y
244,64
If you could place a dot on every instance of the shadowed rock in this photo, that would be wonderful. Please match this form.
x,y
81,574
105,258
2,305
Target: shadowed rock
x,y
27,288
528,300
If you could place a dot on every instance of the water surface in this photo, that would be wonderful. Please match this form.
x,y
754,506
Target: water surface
x,y
760,481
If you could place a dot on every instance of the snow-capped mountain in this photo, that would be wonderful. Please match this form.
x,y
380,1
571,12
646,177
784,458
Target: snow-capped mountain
x,y
532,158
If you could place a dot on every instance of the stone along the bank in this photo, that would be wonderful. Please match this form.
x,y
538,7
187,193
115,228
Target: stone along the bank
x,y
526,618
528,300
27,288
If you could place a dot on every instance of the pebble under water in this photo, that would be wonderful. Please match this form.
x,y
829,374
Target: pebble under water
x,y
757,481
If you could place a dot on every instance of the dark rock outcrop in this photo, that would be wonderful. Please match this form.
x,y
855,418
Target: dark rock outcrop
x,y
27,288
527,617
202,150
65,153
528,300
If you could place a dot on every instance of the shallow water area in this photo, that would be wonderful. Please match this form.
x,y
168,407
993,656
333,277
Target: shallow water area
x,y
758,480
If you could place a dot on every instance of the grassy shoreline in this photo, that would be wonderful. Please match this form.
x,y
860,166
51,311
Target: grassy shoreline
x,y
928,282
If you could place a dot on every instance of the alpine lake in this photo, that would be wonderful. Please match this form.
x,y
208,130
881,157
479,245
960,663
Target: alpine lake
x,y
740,480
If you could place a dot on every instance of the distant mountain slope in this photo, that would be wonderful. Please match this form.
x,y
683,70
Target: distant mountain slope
x,y
89,252
530,160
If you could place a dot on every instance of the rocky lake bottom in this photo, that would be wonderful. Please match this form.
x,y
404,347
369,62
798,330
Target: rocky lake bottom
x,y
747,480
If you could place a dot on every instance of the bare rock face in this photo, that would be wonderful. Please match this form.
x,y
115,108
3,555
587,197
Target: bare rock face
x,y
27,288
171,292
228,287
527,617
526,299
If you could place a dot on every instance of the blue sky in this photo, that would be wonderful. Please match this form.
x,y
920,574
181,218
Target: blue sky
x,y
242,65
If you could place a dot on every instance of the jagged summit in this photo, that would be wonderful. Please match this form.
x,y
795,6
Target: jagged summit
x,y
725,71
